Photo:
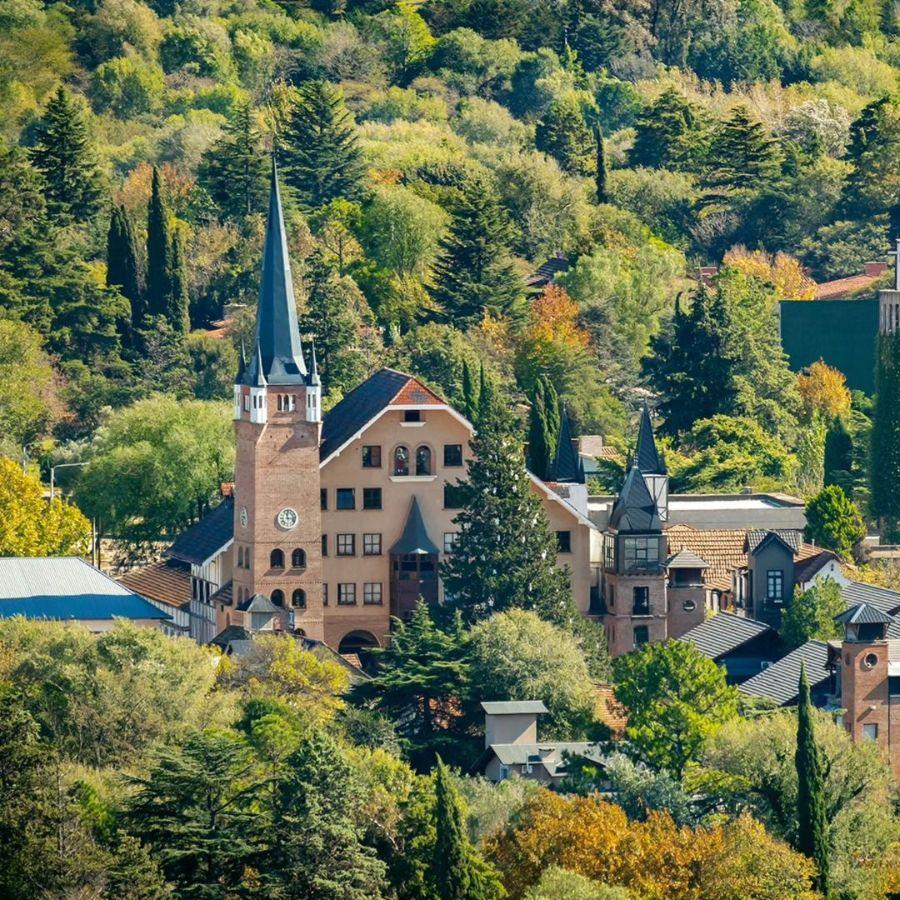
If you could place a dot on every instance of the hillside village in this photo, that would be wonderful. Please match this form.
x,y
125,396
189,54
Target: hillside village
x,y
450,451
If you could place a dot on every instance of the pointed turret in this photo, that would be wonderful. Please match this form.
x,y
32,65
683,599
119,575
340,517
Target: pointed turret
x,y
414,539
277,334
567,464
242,362
255,374
635,509
646,456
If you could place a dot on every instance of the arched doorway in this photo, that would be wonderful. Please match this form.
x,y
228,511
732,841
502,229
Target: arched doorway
x,y
358,643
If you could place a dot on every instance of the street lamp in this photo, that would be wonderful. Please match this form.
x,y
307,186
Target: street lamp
x,y
53,473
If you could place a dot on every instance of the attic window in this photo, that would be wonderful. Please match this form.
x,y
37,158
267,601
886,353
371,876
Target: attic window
x,y
412,415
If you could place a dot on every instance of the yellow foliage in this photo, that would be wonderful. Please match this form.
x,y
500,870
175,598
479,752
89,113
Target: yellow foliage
x,y
781,270
824,390
30,525
654,859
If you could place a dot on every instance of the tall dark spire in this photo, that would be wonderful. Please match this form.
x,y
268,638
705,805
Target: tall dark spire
x,y
646,456
635,511
277,335
567,464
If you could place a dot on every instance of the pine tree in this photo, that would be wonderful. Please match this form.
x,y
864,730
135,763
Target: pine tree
x,y
505,554
316,847
812,825
838,461
322,159
564,135
667,134
601,174
234,171
474,272
470,397
178,301
554,418
742,157
885,439
485,393
457,870
122,267
64,155
159,250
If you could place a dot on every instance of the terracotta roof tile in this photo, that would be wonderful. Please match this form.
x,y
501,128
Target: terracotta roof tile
x,y
844,287
167,581
721,548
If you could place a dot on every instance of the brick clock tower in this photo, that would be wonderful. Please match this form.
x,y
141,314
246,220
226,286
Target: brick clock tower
x,y
277,418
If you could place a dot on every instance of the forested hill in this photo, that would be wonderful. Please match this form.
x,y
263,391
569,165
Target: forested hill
x,y
433,156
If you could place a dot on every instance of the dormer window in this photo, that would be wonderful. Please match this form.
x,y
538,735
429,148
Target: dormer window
x,y
412,415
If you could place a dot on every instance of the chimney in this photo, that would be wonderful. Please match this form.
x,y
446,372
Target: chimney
x,y
874,269
707,273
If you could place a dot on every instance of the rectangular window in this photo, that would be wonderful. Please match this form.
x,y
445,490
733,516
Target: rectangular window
x,y
324,545
775,585
870,732
324,595
323,498
452,496
346,545
246,403
346,498
371,545
640,552
372,593
641,601
371,456
412,415
450,539
453,455
371,498
346,595
563,541
641,635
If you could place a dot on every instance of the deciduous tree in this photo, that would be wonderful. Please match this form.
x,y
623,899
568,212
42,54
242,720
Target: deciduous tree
x,y
833,521
811,614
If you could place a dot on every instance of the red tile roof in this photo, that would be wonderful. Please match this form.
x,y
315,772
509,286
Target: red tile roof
x,y
166,581
842,288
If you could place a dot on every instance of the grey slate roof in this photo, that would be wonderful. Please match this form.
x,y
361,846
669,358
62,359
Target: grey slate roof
x,y
686,559
723,633
549,754
780,681
66,588
358,407
231,633
646,456
279,359
414,538
863,614
635,510
757,536
881,598
258,604
513,707
199,542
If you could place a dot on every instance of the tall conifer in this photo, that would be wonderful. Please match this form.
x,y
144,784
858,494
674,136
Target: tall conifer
x,y
178,301
64,155
159,250
742,156
122,267
885,441
470,397
600,167
838,462
554,419
538,455
812,825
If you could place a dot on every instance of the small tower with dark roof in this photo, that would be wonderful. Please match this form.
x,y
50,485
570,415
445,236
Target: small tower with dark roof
x,y
277,551
648,459
567,470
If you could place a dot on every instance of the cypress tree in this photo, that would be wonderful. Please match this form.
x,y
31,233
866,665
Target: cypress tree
x,y
322,158
234,171
159,250
485,393
812,825
838,460
64,155
538,456
470,398
600,171
554,419
474,272
564,135
885,440
457,870
122,267
178,300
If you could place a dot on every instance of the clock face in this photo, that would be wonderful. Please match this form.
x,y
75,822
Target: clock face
x,y
245,518
288,518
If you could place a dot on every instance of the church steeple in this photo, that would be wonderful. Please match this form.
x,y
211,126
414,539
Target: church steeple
x,y
279,356
646,456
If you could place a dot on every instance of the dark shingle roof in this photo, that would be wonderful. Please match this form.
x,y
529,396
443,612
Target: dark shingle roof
x,y
258,604
358,407
723,633
806,567
881,598
414,538
635,510
231,633
686,559
863,614
546,272
787,536
211,533
646,456
780,681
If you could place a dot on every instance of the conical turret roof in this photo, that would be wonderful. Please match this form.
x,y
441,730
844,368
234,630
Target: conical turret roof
x,y
646,456
635,510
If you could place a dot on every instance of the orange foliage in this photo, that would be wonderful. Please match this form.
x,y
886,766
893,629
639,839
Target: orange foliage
x,y
824,389
654,859
553,319
781,270
135,192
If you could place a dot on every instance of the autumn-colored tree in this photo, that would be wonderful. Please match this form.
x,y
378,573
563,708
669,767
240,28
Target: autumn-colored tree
x,y
653,858
781,270
30,526
824,390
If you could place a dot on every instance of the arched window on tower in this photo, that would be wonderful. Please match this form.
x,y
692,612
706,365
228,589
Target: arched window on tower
x,y
278,597
401,460
423,460
298,558
240,558
276,559
298,599
285,403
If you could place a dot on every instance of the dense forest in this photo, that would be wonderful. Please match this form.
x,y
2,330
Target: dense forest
x,y
433,156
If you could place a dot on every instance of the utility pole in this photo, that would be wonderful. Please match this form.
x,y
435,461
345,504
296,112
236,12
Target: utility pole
x,y
53,473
